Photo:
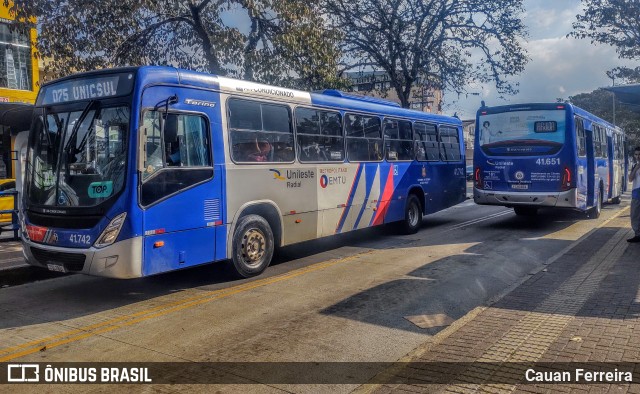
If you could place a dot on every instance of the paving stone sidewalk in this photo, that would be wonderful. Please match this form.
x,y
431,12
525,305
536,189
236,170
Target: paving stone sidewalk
x,y
584,307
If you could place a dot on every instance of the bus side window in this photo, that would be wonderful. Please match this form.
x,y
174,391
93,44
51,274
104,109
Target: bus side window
x,y
154,150
580,138
398,140
364,138
426,136
450,143
260,132
319,135
182,153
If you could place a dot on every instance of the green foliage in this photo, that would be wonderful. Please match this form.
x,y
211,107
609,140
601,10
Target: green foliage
x,y
280,41
600,103
612,22
615,23
433,43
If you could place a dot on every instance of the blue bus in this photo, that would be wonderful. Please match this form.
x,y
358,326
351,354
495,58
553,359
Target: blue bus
x,y
137,171
529,156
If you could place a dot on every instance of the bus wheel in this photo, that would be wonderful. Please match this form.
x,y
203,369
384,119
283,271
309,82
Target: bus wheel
x,y
412,216
252,246
525,211
615,200
594,212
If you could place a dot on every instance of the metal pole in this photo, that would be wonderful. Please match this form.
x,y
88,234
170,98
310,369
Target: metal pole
x,y
613,83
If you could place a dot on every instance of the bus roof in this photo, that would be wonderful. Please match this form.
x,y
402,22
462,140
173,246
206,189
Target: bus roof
x,y
546,106
327,98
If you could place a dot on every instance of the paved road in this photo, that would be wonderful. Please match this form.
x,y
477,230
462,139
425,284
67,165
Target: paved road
x,y
367,296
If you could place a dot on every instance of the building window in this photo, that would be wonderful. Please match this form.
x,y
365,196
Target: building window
x,y
15,59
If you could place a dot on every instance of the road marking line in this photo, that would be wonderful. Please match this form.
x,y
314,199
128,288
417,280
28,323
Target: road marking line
x,y
161,310
478,220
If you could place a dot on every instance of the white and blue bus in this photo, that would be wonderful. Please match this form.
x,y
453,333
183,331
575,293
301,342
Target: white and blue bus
x,y
137,171
530,156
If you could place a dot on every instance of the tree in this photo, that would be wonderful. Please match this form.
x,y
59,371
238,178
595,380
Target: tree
x,y
613,22
284,41
600,103
437,43
616,23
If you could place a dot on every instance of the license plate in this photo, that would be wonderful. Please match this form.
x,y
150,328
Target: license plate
x,y
56,268
520,187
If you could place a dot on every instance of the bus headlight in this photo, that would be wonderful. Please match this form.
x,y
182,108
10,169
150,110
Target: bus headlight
x,y
110,233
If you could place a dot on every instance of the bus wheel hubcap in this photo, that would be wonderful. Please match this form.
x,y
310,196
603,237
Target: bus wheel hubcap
x,y
253,246
413,215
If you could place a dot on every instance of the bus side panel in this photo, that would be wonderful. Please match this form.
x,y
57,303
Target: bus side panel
x,y
400,178
178,250
444,185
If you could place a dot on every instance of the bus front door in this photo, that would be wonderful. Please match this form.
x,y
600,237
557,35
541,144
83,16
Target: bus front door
x,y
180,194
591,168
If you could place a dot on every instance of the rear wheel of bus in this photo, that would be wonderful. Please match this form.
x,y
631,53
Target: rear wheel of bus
x,y
412,216
594,212
253,246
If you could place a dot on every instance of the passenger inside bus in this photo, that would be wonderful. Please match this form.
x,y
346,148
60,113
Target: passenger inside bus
x,y
256,151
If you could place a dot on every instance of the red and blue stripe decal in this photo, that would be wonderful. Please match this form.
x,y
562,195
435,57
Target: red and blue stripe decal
x,y
385,199
352,193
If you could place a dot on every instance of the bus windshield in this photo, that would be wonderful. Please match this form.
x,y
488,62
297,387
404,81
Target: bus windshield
x,y
77,158
534,132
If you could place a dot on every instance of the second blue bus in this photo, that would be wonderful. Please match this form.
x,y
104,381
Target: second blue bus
x,y
531,156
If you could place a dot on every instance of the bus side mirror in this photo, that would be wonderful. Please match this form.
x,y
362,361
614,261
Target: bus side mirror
x,y
142,148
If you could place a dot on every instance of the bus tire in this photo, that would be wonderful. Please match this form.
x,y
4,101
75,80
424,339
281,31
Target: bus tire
x,y
615,200
252,246
412,216
525,211
594,212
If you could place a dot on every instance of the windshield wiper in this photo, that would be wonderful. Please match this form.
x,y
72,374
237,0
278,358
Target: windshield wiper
x,y
76,126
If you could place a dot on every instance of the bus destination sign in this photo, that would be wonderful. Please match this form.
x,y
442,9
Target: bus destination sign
x,y
86,89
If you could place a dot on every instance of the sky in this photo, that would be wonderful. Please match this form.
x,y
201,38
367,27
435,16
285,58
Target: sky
x,y
559,67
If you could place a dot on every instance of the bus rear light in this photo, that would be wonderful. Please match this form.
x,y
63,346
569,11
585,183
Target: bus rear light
x,y
567,179
478,178
112,231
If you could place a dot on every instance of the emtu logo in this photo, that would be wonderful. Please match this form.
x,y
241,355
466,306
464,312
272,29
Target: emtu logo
x,y
324,181
277,175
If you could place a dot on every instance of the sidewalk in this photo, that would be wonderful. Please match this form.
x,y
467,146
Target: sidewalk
x,y
583,307
10,253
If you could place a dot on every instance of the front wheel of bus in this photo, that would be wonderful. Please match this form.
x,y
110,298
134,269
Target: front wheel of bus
x,y
252,246
412,216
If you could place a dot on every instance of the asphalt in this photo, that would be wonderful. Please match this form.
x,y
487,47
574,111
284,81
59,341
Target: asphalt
x,y
581,310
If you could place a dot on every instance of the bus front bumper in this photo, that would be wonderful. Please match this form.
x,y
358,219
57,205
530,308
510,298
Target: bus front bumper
x,y
566,199
121,260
